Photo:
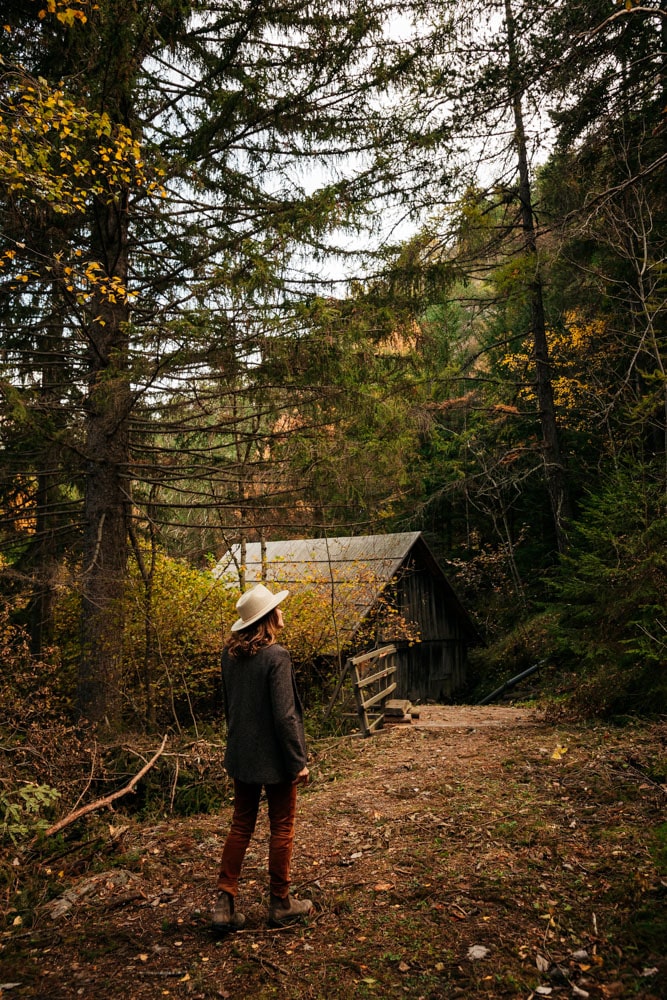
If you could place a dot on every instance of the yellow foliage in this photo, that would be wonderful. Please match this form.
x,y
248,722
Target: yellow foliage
x,y
39,124
21,509
173,631
316,626
579,354
65,12
57,152
172,637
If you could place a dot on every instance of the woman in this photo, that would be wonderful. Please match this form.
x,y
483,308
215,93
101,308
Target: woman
x,y
266,748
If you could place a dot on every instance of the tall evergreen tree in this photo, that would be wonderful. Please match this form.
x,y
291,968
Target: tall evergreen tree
x,y
233,104
604,191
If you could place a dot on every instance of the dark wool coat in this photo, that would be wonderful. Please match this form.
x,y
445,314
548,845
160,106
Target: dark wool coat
x,y
265,738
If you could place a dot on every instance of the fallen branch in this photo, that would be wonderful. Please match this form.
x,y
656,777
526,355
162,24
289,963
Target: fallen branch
x,y
107,800
264,962
160,973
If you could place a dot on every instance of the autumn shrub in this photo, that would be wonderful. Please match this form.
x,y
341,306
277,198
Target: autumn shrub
x,y
528,643
485,585
174,623
175,620
31,689
173,636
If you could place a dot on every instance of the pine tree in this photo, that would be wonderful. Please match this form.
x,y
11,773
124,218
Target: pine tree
x,y
217,114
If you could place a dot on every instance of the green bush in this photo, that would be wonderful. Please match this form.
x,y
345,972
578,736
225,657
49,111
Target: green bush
x,y
21,810
612,595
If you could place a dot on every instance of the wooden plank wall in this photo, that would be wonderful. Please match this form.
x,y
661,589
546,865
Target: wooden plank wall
x,y
435,668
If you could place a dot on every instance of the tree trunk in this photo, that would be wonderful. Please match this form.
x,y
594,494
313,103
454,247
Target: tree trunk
x,y
107,484
554,467
46,558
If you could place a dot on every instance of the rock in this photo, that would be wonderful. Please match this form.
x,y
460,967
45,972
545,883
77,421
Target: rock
x,y
476,952
557,974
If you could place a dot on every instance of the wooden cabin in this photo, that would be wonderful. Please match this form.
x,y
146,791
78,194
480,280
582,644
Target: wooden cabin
x,y
370,582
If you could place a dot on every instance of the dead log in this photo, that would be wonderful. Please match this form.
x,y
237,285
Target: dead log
x,y
107,800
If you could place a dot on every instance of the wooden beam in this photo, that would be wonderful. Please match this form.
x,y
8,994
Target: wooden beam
x,y
376,677
375,654
378,697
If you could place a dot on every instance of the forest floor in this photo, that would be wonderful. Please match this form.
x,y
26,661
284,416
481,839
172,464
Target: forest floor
x,y
478,852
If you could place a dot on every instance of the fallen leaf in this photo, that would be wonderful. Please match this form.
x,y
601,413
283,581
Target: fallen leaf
x,y
403,967
541,963
558,753
383,886
616,989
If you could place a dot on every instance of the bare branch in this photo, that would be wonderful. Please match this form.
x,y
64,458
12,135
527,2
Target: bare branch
x,y
107,800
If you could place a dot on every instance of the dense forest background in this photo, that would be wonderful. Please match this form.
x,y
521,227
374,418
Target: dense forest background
x,y
282,270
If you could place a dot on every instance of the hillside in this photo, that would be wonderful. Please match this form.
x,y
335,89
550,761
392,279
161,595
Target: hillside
x,y
476,853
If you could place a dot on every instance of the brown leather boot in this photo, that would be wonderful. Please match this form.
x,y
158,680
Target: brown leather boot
x,y
287,910
225,917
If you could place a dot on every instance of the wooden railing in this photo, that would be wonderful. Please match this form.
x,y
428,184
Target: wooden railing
x,y
372,686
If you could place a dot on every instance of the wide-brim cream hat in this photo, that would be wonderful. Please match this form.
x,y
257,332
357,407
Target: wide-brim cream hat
x,y
256,603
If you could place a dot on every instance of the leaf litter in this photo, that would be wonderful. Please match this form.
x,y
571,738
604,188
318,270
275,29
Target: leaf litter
x,y
508,871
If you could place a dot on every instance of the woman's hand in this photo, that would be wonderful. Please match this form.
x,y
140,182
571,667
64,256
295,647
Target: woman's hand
x,y
303,777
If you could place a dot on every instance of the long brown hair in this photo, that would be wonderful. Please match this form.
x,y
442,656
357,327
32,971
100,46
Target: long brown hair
x,y
248,641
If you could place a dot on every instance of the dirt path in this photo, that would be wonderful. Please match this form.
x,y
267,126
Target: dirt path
x,y
478,852
466,716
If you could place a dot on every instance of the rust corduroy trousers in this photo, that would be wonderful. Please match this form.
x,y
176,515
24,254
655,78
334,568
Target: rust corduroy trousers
x,y
282,811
